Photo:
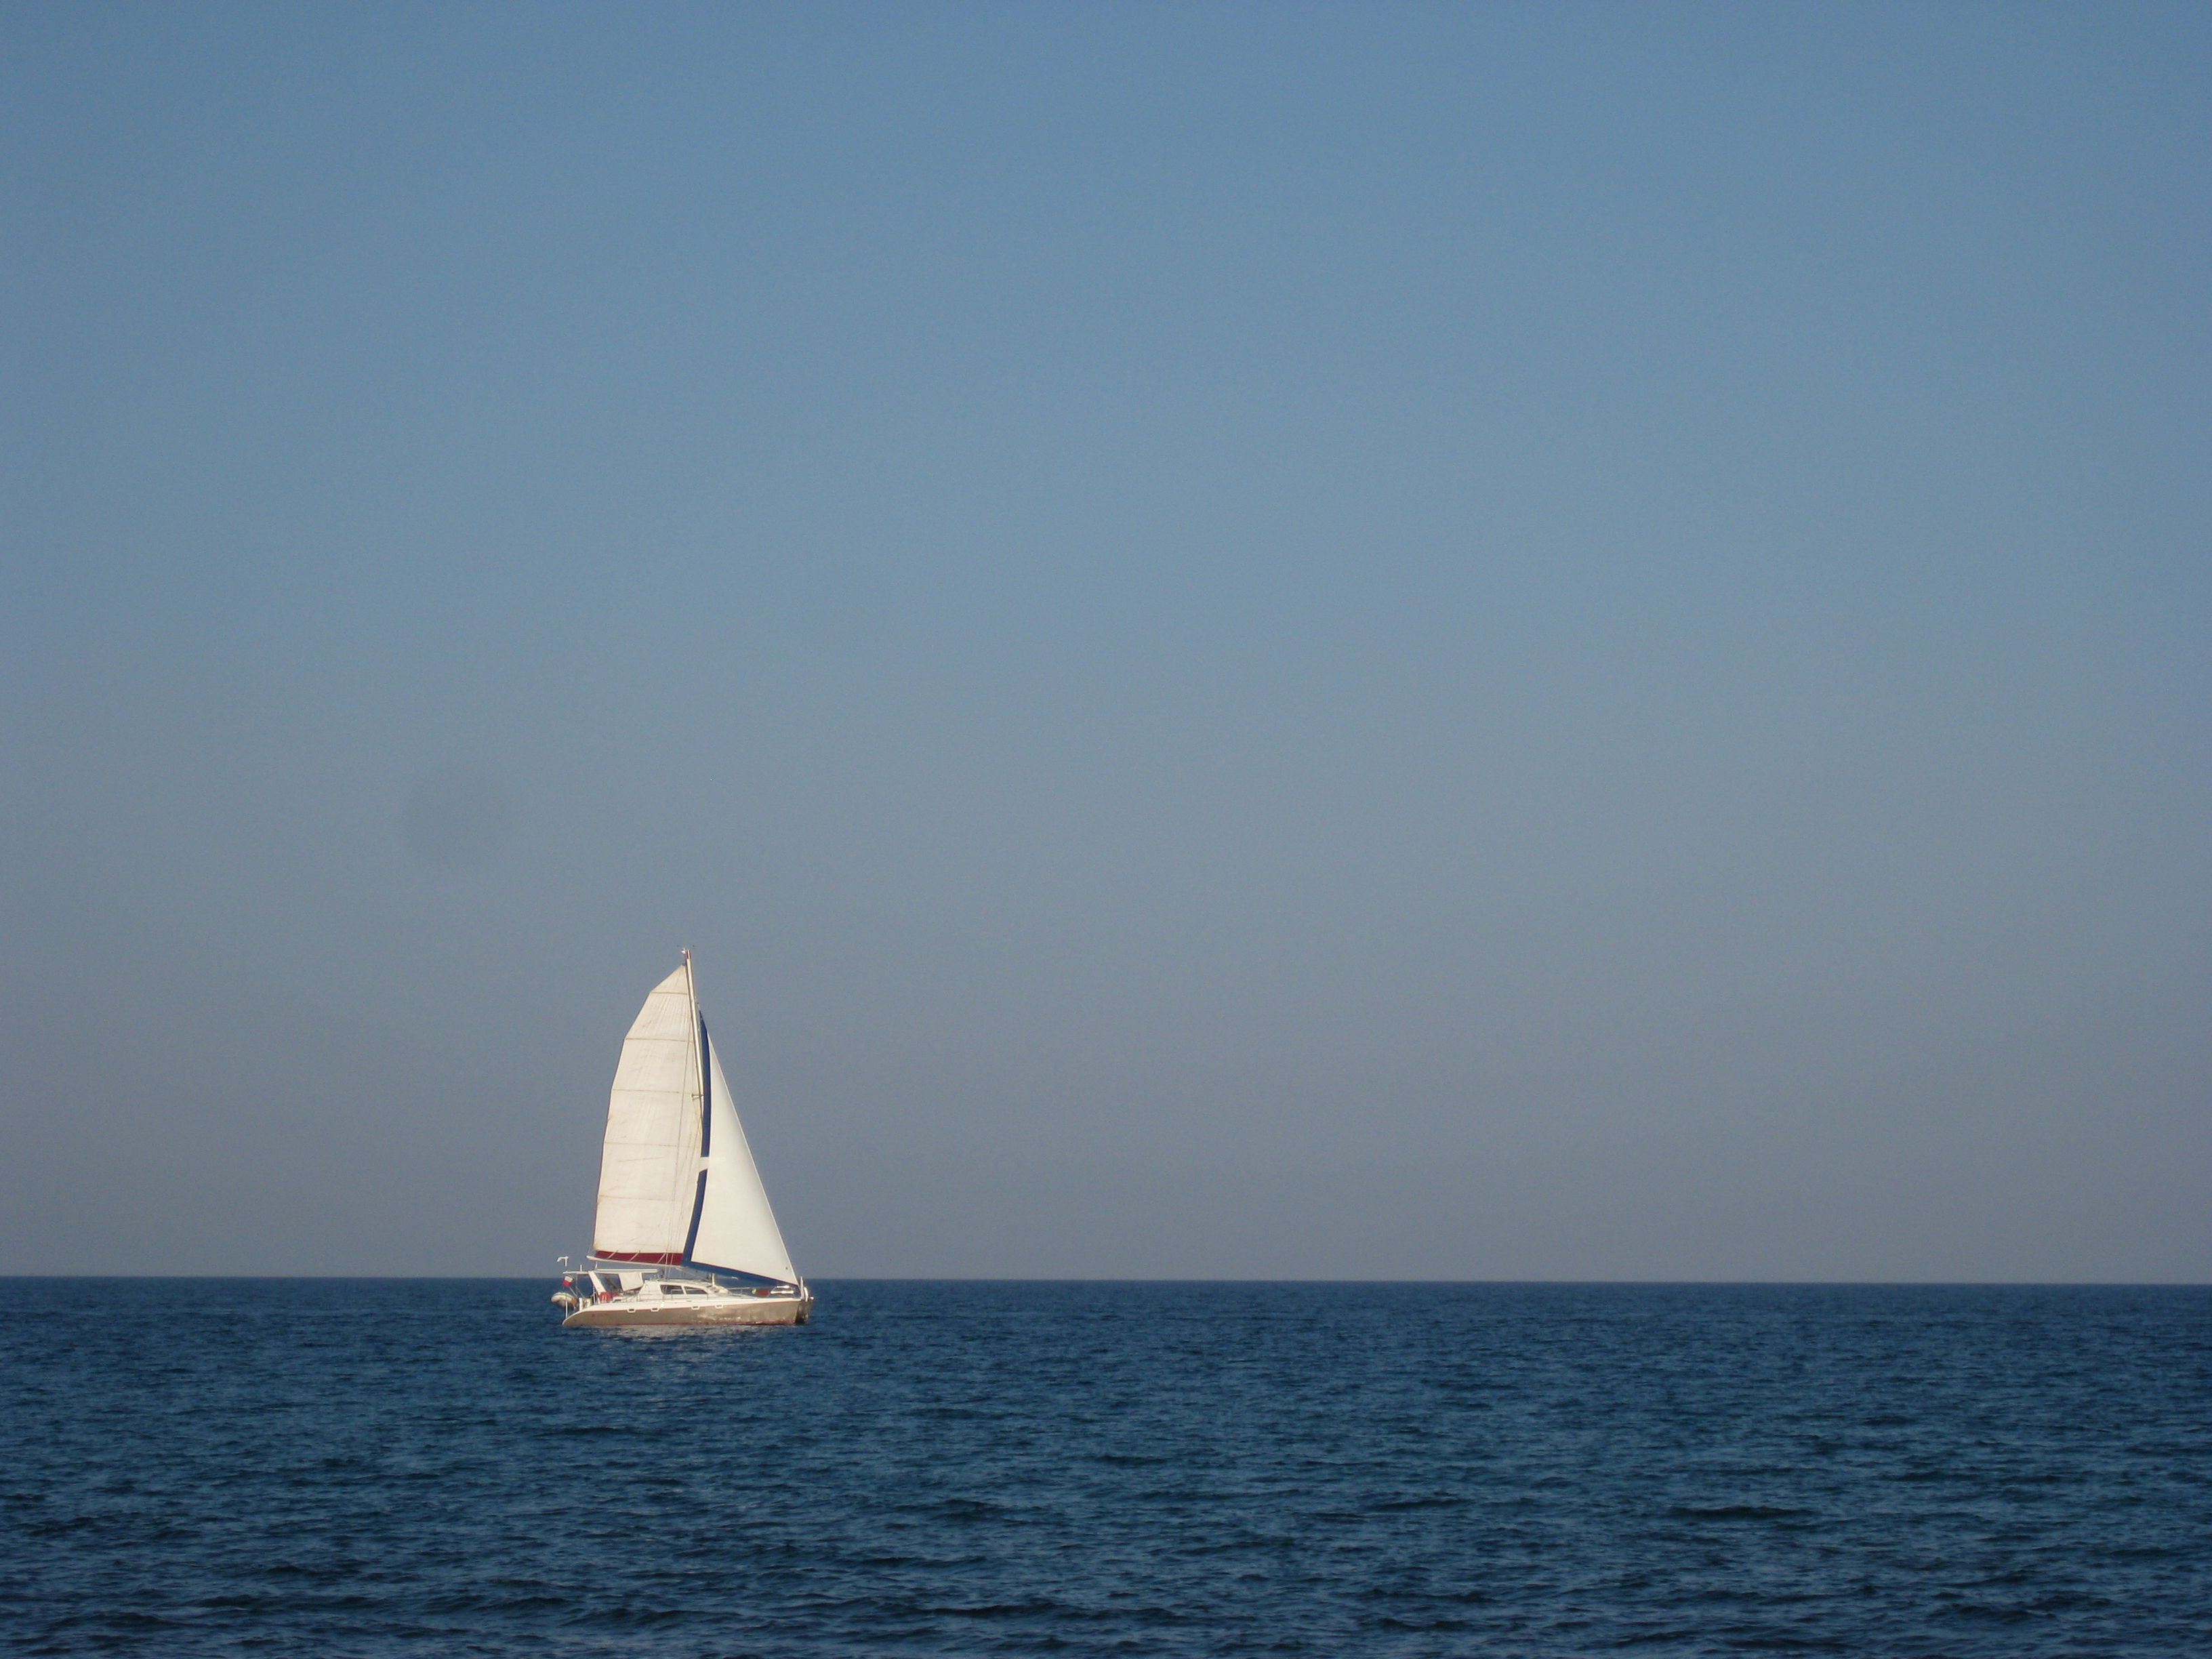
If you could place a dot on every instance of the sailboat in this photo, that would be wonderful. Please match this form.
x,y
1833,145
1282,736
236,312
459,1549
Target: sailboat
x,y
684,1235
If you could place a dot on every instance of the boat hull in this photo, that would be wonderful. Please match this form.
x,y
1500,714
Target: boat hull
x,y
732,1310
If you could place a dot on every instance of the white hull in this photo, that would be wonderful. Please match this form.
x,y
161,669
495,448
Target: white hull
x,y
715,1311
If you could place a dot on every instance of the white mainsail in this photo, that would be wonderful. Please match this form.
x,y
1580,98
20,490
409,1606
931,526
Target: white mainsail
x,y
646,1167
676,1181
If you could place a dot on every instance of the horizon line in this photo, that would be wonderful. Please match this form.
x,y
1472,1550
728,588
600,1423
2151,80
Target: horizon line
x,y
989,1279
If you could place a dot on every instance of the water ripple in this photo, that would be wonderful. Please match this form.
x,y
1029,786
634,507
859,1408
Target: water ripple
x,y
387,1468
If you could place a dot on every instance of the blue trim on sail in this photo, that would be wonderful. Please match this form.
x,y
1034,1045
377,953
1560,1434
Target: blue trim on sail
x,y
706,1093
698,1209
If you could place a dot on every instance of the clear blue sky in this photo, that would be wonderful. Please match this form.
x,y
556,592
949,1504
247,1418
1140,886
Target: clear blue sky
x,y
1547,642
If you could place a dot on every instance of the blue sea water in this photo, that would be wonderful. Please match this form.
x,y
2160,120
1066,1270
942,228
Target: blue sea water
x,y
412,1467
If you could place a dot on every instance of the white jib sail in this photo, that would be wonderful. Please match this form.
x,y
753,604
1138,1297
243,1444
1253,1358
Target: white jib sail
x,y
737,1230
677,1185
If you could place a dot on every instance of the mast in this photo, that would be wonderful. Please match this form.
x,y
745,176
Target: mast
x,y
698,1048
703,1101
